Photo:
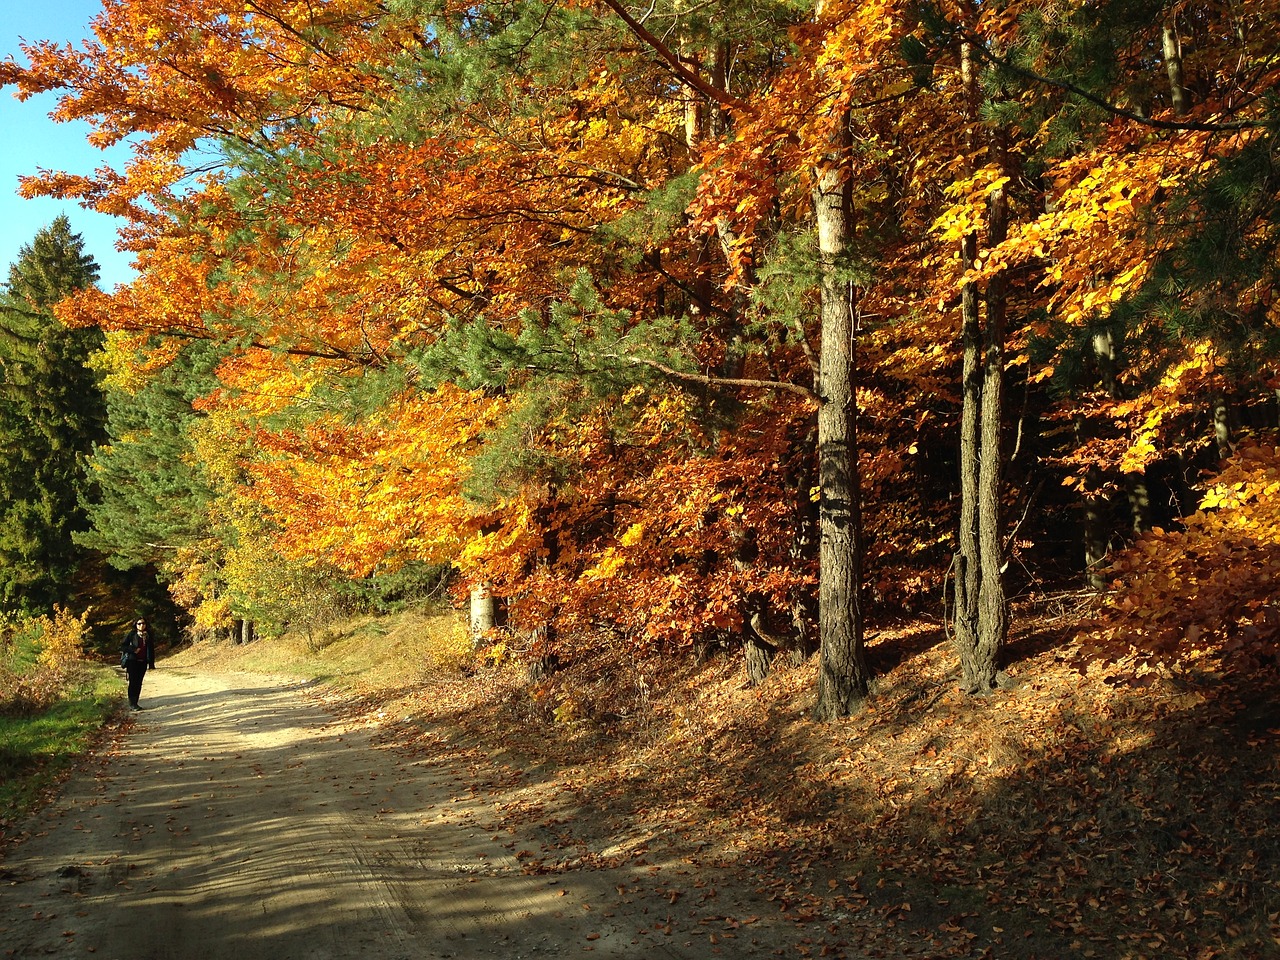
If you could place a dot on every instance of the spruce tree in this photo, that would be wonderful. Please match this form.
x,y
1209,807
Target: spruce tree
x,y
51,414
151,496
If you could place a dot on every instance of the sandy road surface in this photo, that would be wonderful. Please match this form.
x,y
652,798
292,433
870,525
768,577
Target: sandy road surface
x,y
241,820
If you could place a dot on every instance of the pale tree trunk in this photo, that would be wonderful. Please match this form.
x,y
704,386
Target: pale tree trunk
x,y
483,612
1173,68
993,609
843,677
1095,502
1097,527
981,612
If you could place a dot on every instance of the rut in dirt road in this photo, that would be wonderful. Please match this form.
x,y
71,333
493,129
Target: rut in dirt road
x,y
240,820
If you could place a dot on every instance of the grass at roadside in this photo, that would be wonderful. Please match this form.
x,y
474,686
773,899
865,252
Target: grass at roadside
x,y
37,749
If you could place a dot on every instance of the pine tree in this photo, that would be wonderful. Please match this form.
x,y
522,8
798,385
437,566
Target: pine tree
x,y
150,495
51,413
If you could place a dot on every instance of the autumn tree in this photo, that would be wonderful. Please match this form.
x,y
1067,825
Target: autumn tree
x,y
635,316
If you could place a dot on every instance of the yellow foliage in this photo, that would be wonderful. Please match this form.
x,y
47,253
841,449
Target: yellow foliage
x,y
59,660
1209,586
61,640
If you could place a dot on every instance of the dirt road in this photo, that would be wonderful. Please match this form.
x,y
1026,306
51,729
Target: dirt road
x,y
238,818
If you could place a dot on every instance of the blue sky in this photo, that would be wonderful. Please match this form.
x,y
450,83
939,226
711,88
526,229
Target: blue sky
x,y
30,140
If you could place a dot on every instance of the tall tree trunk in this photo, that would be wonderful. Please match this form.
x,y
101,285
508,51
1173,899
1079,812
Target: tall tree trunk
x,y
1097,532
843,678
967,567
993,610
981,612
804,540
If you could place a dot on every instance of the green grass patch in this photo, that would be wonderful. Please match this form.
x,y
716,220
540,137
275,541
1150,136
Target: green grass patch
x,y
36,749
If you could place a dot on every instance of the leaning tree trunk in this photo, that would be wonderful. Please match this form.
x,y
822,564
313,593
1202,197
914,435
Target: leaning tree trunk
x,y
981,611
843,678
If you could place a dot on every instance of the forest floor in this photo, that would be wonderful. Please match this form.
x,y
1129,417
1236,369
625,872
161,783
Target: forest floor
x,y
363,787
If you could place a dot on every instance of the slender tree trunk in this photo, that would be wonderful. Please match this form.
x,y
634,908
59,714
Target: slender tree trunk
x,y
1222,427
981,612
1097,529
1173,68
843,678
968,567
804,542
483,612
993,610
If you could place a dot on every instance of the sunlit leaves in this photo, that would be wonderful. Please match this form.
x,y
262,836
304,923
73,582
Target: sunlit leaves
x,y
1207,588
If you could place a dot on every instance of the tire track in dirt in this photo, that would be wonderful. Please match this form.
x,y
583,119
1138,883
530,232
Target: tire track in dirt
x,y
241,821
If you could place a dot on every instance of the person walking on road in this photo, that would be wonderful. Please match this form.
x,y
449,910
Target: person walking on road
x,y
137,654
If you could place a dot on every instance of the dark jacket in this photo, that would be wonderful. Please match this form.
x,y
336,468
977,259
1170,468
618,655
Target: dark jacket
x,y
133,641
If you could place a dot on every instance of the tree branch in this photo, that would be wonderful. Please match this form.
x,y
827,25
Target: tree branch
x,y
982,50
710,381
722,97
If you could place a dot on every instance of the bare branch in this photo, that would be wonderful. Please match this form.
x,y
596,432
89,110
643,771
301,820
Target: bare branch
x,y
710,381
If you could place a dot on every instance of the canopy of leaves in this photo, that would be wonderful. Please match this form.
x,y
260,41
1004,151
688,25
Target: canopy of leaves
x,y
528,287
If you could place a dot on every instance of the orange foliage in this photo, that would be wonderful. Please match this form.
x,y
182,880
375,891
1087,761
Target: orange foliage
x,y
377,493
359,217
1208,588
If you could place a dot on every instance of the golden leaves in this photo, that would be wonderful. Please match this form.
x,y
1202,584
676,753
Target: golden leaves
x,y
1209,586
970,196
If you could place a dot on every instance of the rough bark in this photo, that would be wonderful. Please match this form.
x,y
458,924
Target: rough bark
x,y
981,667
981,611
760,648
1096,529
843,677
804,542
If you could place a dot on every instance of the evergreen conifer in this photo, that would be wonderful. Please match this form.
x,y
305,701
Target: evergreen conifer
x,y
51,414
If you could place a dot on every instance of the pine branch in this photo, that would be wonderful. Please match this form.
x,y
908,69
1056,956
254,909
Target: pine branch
x,y
722,97
1005,63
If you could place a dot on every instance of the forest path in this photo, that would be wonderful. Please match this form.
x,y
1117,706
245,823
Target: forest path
x,y
236,817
